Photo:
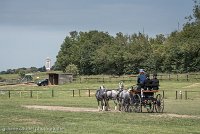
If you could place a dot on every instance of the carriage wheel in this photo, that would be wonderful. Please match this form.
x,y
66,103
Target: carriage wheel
x,y
159,106
136,103
150,106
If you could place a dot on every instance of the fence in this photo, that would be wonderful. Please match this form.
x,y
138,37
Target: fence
x,y
187,94
48,93
130,78
124,78
86,93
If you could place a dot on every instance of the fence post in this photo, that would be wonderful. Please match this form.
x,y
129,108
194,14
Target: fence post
x,y
176,95
52,93
89,92
163,94
187,77
9,93
31,94
169,77
177,77
186,95
79,92
73,92
180,92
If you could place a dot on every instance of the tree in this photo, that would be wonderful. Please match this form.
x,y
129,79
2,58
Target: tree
x,y
22,74
42,69
71,68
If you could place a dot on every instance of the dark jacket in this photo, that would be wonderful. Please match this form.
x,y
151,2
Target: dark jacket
x,y
147,84
155,84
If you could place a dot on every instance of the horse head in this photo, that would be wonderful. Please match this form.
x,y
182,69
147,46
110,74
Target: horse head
x,y
121,85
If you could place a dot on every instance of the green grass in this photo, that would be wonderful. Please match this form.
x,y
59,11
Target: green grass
x,y
14,116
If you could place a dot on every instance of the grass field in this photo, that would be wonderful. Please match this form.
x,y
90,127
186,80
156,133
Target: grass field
x,y
180,116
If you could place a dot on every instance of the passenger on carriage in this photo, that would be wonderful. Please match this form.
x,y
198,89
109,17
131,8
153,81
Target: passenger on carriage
x,y
147,83
148,86
155,82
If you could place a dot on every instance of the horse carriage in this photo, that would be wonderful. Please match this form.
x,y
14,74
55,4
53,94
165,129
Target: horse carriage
x,y
131,100
148,99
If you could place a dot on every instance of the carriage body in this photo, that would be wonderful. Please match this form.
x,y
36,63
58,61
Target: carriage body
x,y
151,100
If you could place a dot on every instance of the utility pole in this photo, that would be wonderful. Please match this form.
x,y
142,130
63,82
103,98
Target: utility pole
x,y
178,27
143,30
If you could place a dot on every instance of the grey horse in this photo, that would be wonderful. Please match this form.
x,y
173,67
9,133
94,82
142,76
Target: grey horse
x,y
101,97
114,95
125,99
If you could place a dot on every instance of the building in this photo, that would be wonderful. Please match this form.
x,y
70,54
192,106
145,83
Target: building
x,y
57,79
48,64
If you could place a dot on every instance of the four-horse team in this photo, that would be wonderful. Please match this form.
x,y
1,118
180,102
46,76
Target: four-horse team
x,y
133,98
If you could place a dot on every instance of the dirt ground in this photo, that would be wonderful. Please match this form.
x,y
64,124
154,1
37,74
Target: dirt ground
x,y
174,116
195,85
81,109
61,108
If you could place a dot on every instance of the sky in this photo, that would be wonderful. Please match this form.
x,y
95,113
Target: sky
x,y
32,30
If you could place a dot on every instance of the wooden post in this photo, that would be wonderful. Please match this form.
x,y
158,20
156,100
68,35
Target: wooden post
x,y
73,92
176,95
163,94
187,77
31,94
79,92
180,92
186,95
9,93
89,92
169,77
52,93
177,77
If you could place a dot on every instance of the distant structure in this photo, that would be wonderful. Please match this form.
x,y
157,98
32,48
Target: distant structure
x,y
60,78
48,64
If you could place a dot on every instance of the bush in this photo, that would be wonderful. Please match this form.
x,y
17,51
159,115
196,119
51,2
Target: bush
x,y
71,68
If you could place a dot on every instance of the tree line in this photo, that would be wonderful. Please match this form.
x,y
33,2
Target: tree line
x,y
98,52
24,70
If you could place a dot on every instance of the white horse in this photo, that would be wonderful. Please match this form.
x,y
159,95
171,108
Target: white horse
x,y
114,95
125,98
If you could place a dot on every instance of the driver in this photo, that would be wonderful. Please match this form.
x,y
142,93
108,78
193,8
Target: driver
x,y
140,80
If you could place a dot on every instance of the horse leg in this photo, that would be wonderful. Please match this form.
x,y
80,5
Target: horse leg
x,y
98,106
106,105
122,105
115,105
102,105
